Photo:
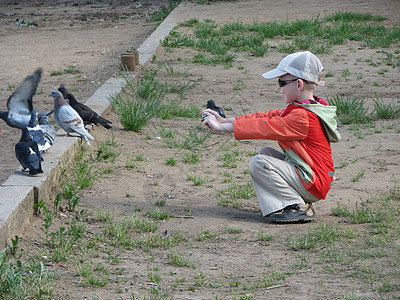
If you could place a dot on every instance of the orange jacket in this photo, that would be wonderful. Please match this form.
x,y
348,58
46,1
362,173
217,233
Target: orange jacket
x,y
301,135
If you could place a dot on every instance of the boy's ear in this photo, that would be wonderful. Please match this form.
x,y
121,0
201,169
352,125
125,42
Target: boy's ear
x,y
300,84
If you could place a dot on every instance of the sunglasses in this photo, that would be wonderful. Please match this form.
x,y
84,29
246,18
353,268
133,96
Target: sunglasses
x,y
285,82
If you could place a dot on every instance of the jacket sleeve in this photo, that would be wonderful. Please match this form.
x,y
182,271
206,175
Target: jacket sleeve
x,y
293,126
268,114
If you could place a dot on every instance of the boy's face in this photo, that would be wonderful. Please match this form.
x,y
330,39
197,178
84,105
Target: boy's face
x,y
290,90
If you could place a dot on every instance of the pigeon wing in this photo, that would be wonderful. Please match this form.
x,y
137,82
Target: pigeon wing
x,y
20,102
86,113
22,153
70,121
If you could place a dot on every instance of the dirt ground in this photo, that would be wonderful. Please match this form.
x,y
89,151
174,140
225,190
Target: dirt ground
x,y
196,209
88,35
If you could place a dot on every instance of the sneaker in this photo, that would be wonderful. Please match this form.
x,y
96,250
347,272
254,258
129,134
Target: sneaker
x,y
294,213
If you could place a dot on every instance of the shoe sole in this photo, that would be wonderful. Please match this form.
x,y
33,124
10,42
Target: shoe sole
x,y
291,220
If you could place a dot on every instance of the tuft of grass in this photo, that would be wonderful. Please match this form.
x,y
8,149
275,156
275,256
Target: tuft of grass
x,y
106,151
316,237
358,176
229,159
157,214
240,191
347,16
141,102
20,278
234,230
92,274
193,140
197,180
386,111
205,234
350,111
170,161
191,157
71,70
177,259
264,237
173,109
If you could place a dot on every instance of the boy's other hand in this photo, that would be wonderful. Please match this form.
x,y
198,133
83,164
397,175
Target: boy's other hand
x,y
214,121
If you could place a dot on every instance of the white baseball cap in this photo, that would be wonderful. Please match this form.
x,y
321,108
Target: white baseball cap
x,y
304,65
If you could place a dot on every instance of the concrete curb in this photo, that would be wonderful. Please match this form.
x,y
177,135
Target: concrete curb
x,y
20,192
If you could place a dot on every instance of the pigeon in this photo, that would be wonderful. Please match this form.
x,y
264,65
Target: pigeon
x,y
27,153
20,103
37,134
219,110
68,118
48,130
87,114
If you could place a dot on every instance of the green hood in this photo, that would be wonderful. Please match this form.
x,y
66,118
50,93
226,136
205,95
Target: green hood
x,y
327,115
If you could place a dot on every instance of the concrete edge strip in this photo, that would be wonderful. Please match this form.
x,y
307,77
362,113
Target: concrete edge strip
x,y
20,192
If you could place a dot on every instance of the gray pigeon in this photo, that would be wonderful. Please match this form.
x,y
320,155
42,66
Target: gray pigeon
x,y
68,118
36,133
88,115
48,130
20,103
27,153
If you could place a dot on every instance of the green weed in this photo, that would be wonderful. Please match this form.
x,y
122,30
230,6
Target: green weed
x,y
106,151
191,157
21,278
205,234
358,176
350,111
193,140
239,191
157,214
170,161
140,103
176,109
177,259
197,180
386,111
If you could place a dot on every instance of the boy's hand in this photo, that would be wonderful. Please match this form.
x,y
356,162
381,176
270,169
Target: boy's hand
x,y
208,112
213,120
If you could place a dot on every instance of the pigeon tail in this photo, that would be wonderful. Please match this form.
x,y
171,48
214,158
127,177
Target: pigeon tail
x,y
104,124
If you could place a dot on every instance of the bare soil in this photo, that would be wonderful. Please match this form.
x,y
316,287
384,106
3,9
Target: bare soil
x,y
94,44
88,35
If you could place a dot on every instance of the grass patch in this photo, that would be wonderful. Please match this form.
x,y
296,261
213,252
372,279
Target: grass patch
x,y
239,191
141,102
197,180
386,111
173,109
23,278
350,110
316,35
177,259
193,140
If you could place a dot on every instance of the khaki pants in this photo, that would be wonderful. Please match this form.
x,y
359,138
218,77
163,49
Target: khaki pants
x,y
276,182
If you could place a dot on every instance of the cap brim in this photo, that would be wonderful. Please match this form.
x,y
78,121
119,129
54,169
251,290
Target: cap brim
x,y
275,73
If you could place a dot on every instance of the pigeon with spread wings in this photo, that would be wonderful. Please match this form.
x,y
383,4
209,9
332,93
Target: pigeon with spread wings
x,y
20,103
